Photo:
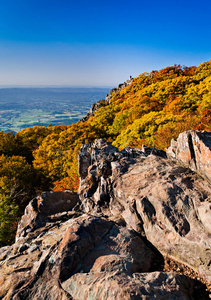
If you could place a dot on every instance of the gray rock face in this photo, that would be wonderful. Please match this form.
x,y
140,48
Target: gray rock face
x,y
41,265
118,285
95,107
135,206
165,203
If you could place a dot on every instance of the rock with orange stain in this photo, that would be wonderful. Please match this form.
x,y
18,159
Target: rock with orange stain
x,y
193,149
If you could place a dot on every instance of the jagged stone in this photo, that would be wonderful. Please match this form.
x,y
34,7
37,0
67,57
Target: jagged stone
x,y
193,149
95,107
167,203
166,200
42,207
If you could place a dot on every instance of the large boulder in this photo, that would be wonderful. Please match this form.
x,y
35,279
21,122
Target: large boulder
x,y
170,205
119,285
51,262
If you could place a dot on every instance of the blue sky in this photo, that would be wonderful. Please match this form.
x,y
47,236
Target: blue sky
x,y
99,43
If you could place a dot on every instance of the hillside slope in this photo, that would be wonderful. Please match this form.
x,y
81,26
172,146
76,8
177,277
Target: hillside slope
x,y
151,110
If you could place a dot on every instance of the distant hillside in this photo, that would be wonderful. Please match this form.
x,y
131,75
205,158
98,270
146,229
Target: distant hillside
x,y
151,110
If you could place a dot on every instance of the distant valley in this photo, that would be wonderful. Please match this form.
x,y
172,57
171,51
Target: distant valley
x,y
26,107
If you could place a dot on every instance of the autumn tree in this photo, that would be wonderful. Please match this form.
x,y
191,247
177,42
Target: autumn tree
x,y
9,217
16,178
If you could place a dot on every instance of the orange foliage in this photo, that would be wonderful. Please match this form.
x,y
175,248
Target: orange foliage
x,y
67,183
171,131
204,123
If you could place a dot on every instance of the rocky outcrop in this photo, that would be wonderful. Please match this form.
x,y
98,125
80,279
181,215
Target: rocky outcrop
x,y
95,107
135,207
87,257
163,201
120,87
50,205
193,149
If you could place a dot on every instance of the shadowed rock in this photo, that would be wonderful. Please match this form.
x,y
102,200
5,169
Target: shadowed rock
x,y
40,209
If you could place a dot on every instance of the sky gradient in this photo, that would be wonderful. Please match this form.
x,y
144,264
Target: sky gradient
x,y
99,43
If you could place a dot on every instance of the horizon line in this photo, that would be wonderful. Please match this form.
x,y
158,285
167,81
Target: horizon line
x,y
52,86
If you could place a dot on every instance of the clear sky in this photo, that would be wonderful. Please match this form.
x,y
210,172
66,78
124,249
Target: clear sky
x,y
99,43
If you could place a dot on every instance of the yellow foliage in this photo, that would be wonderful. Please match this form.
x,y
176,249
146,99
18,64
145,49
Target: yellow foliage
x,y
15,174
